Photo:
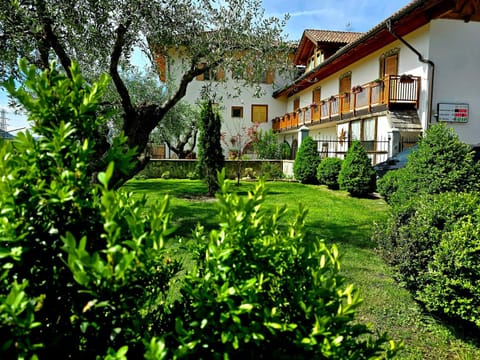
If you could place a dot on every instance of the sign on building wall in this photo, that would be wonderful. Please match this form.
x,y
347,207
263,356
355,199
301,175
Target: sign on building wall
x,y
457,113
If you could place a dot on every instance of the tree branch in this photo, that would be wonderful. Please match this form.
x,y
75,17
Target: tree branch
x,y
187,78
52,39
117,80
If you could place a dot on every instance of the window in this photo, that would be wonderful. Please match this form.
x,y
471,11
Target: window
x,y
162,67
311,63
345,87
355,130
316,95
268,77
365,131
296,104
259,113
389,63
320,57
237,111
216,74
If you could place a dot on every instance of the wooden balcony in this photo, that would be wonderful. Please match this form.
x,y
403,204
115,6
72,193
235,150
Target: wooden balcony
x,y
394,91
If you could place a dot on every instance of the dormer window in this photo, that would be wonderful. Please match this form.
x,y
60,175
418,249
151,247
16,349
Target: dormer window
x,y
320,57
315,60
311,63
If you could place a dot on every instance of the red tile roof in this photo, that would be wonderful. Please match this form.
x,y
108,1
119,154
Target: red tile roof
x,y
327,36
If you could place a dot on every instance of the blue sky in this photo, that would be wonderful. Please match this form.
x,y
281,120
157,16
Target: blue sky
x,y
340,15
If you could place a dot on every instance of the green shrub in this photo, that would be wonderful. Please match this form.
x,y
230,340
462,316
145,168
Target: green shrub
x,y
441,163
409,239
166,175
453,278
83,273
357,175
262,290
328,171
306,162
388,184
210,155
191,175
266,145
249,173
271,171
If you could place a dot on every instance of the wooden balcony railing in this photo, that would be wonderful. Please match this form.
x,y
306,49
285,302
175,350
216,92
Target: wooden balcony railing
x,y
393,90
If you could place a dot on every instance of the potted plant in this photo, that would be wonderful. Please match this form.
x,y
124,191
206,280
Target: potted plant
x,y
332,98
377,82
406,78
313,105
357,89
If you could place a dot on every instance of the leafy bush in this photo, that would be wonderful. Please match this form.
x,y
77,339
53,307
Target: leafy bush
x,y
441,163
166,175
453,280
83,273
262,290
271,171
306,162
409,240
389,183
266,145
357,175
328,171
430,236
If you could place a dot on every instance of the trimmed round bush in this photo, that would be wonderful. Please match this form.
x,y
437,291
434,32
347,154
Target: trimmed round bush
x,y
306,162
388,184
357,175
328,171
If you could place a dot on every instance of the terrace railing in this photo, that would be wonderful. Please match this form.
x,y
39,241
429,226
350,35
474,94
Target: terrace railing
x,y
393,90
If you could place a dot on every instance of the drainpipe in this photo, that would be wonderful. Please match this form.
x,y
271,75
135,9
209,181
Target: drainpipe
x,y
430,64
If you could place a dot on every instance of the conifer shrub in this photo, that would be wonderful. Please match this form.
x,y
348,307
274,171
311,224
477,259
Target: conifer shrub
x,y
441,163
306,162
357,175
210,155
328,171
388,184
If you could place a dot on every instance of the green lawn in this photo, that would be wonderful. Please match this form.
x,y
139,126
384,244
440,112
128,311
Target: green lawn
x,y
335,217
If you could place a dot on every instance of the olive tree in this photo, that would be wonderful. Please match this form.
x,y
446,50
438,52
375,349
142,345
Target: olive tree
x,y
179,130
102,36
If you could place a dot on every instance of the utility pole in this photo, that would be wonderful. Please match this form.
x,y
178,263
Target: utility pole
x,y
3,124
3,120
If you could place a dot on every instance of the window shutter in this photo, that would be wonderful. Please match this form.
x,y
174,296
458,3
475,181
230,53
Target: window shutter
x,y
345,84
391,65
259,113
296,104
162,67
201,77
270,77
220,74
316,96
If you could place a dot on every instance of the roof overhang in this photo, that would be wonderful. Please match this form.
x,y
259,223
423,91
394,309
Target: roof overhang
x,y
409,18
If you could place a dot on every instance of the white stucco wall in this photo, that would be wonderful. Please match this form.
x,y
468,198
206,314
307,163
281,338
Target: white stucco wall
x,y
368,68
454,50
227,96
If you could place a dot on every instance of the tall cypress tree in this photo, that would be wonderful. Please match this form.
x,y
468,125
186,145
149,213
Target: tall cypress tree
x,y
210,156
